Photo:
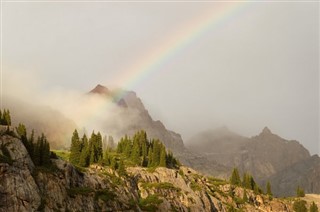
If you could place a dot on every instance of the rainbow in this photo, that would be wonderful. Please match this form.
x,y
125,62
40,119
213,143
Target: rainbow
x,y
214,18
184,37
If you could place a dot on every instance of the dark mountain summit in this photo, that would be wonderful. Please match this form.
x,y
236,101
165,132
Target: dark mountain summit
x,y
99,89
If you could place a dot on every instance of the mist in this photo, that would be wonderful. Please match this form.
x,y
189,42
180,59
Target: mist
x,y
60,111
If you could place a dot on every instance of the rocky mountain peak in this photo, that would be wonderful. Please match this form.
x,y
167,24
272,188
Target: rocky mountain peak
x,y
266,131
100,89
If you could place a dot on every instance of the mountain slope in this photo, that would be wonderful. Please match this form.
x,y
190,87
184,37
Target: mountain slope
x,y
62,187
266,156
305,173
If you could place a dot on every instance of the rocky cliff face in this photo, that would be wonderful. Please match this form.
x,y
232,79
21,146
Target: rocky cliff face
x,y
62,187
133,106
266,156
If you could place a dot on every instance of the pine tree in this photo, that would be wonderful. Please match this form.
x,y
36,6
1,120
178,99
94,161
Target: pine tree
x,y
46,151
163,154
246,181
156,153
269,189
121,168
143,141
22,133
235,177
114,164
30,145
150,157
300,192
41,154
313,207
84,156
135,153
99,151
245,197
8,118
300,206
127,146
75,149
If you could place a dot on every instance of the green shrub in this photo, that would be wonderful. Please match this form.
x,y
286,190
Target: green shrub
x,y
150,203
5,157
105,195
164,185
195,186
72,192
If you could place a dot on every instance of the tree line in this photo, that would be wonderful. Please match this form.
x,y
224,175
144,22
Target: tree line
x,y
145,153
137,150
248,182
5,118
84,151
38,149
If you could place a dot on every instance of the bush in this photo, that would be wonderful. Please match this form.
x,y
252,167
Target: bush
x,y
72,192
164,185
150,203
5,156
105,195
300,206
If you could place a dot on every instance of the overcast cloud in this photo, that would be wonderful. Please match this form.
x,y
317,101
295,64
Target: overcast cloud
x,y
259,68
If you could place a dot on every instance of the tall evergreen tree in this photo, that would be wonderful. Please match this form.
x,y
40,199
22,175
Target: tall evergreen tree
x,y
245,197
99,150
135,153
75,149
150,156
313,207
163,155
269,189
156,153
84,155
121,168
7,118
235,177
41,156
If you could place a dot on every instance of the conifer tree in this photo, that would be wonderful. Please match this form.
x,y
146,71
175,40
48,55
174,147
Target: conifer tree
x,y
300,206
300,192
99,151
150,157
235,177
127,146
41,155
313,207
7,118
75,149
269,189
163,154
84,155
121,168
245,197
114,164
156,153
135,153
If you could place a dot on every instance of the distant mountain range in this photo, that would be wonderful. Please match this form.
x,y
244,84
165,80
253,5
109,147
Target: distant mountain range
x,y
268,157
286,164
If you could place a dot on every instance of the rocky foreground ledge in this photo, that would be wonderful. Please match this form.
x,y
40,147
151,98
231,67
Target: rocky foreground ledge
x,y
63,187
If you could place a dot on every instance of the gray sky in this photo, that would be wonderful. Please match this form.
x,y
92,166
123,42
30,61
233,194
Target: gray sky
x,y
259,67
